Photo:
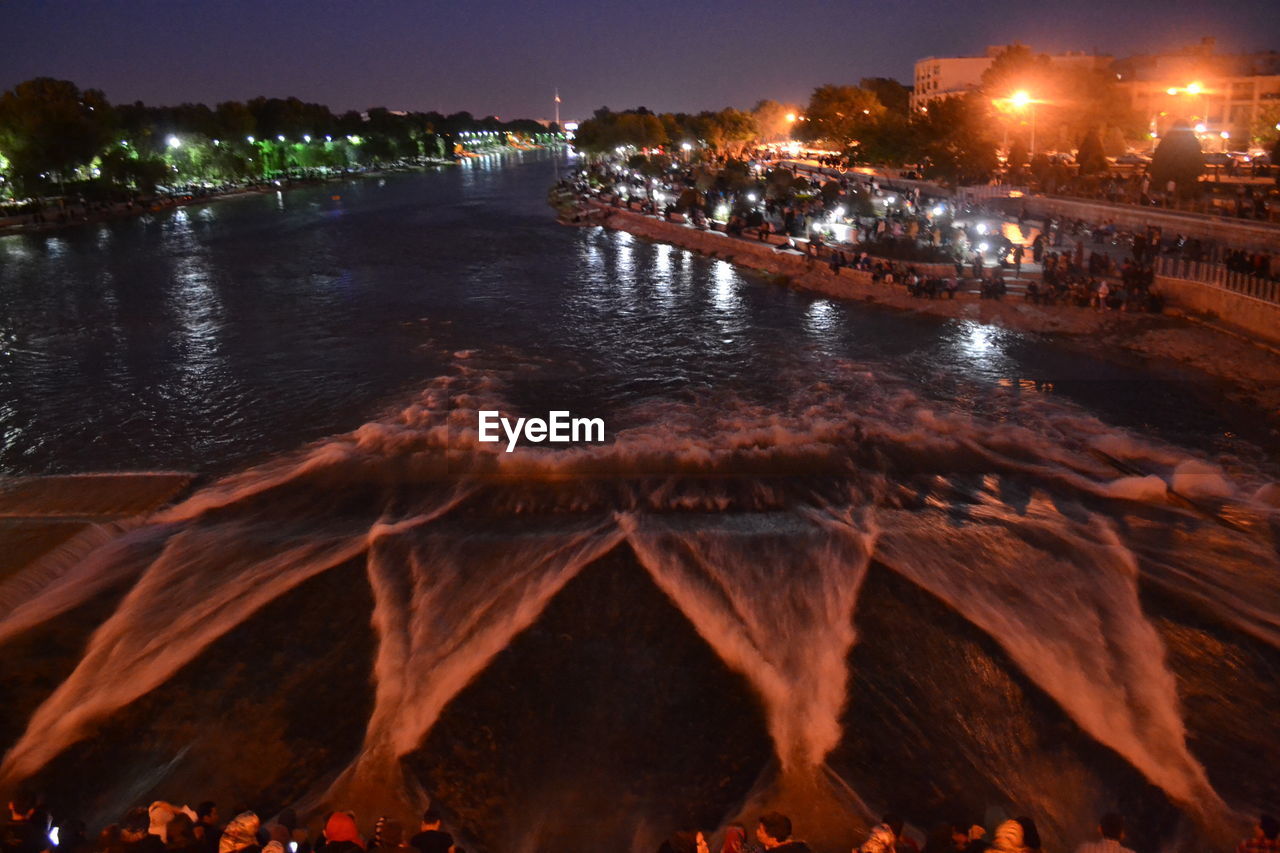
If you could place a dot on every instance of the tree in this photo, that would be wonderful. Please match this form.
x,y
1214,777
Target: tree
x,y
892,141
1113,142
774,121
1266,129
642,130
49,128
1090,156
1178,158
837,114
955,144
780,184
1015,68
728,131
1018,155
607,130
892,95
1070,100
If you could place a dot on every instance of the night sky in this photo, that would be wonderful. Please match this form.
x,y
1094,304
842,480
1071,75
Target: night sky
x,y
505,56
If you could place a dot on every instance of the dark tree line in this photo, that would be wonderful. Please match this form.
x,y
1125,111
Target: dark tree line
x,y
53,134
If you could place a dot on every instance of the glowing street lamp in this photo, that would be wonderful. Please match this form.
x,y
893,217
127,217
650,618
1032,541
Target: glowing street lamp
x,y
174,142
250,140
791,117
1192,89
1022,99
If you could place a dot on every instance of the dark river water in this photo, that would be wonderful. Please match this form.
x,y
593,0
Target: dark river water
x,y
204,337
829,558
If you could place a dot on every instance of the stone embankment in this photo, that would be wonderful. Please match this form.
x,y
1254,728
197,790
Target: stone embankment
x,y
1246,363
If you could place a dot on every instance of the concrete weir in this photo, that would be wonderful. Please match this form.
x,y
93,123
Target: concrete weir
x,y
59,516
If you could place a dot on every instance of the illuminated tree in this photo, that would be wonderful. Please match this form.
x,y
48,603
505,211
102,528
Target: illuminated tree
x,y
1070,99
893,140
892,95
728,131
954,141
1266,129
837,114
774,121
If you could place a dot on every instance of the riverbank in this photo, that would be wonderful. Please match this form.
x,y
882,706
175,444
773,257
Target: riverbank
x,y
90,212
1249,367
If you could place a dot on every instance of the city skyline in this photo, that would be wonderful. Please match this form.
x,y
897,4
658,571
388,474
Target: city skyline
x,y
506,60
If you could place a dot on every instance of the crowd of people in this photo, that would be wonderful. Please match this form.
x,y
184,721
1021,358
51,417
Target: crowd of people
x,y
1146,245
168,828
900,234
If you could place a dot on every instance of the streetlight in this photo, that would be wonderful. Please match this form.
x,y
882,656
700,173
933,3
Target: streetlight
x,y
1021,99
174,142
1192,89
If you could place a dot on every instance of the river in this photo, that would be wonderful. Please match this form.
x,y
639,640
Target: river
x,y
831,558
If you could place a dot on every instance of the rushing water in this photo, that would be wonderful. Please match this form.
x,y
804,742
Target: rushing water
x,y
830,558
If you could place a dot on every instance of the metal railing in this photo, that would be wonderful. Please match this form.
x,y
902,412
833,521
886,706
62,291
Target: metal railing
x,y
1217,275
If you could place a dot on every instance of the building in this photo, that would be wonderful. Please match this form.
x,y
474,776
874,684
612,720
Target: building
x,y
1223,95
939,77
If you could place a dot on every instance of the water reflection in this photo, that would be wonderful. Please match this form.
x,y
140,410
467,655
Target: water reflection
x,y
821,318
198,314
725,280
663,274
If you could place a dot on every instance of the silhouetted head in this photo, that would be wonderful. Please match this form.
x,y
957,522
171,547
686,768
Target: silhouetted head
x,y
681,842
1111,825
135,825
430,820
23,805
179,832
774,829
207,812
1030,835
